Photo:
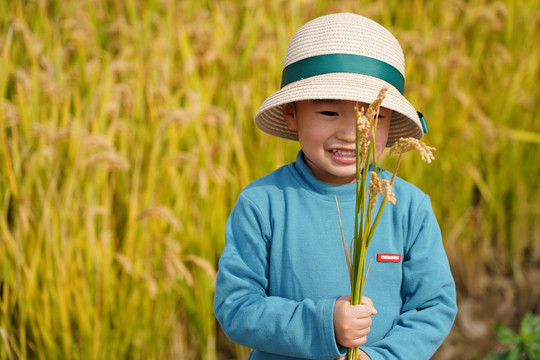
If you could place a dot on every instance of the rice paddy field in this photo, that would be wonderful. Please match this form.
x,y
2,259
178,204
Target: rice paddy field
x,y
126,135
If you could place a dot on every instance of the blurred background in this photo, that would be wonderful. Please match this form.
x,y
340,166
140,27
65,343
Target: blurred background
x,y
126,135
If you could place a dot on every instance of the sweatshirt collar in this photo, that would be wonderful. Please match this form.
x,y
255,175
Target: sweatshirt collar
x,y
344,193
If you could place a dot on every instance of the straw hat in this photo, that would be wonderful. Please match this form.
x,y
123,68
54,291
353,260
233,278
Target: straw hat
x,y
344,57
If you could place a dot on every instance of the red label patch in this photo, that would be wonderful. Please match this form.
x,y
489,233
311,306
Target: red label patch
x,y
395,258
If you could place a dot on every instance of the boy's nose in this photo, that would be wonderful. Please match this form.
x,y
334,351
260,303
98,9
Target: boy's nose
x,y
347,131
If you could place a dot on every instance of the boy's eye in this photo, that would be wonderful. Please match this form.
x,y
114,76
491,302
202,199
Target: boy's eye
x,y
329,113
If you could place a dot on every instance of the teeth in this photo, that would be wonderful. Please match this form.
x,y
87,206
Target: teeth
x,y
344,153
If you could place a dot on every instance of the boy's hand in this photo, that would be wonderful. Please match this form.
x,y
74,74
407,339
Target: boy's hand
x,y
361,356
352,322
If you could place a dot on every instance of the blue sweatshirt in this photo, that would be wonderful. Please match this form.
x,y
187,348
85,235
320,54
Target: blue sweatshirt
x,y
283,267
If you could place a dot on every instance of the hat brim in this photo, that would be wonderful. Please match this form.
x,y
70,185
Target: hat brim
x,y
339,86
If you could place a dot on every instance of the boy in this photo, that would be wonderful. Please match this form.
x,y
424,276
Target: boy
x,y
283,275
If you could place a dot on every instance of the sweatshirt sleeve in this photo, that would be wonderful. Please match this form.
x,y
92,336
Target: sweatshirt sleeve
x,y
245,311
428,293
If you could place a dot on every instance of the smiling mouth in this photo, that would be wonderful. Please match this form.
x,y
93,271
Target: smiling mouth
x,y
343,153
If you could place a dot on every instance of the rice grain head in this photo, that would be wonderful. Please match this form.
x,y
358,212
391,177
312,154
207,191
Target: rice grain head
x,y
205,265
10,113
162,212
109,159
380,186
124,262
374,107
404,145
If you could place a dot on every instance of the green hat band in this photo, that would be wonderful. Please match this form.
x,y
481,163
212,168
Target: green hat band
x,y
342,63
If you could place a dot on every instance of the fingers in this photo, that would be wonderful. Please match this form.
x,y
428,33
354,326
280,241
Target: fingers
x,y
352,322
367,301
358,329
353,340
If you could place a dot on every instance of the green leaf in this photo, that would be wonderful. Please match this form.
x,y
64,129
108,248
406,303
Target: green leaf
x,y
515,353
506,336
501,356
530,335
532,351
530,324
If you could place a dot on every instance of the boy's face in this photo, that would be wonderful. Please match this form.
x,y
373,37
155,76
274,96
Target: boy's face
x,y
327,134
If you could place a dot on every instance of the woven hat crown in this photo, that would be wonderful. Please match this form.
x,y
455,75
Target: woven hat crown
x,y
345,34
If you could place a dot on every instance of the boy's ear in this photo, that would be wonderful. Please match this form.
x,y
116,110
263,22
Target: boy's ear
x,y
289,114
